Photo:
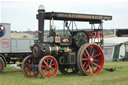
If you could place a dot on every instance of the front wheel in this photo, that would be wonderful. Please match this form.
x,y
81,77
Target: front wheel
x,y
2,65
90,59
48,67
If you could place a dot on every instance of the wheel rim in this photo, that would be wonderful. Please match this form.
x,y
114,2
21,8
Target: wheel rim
x,y
27,67
92,59
0,65
48,67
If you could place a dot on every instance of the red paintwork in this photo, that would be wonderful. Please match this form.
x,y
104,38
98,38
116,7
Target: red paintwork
x,y
48,67
92,62
5,43
0,65
93,33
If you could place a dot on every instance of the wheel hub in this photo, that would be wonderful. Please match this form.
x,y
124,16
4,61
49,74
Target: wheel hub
x,y
91,59
49,67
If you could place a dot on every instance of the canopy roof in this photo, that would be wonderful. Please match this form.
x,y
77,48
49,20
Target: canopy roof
x,y
76,16
115,41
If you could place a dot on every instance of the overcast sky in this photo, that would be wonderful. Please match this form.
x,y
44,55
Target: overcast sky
x,y
22,13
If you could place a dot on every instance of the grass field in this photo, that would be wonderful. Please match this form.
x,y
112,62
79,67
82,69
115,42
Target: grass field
x,y
12,76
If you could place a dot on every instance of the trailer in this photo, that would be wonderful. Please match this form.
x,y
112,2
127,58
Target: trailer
x,y
12,49
71,52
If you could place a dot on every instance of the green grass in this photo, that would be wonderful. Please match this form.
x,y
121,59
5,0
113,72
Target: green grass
x,y
12,76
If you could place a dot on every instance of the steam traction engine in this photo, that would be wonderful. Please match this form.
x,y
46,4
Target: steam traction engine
x,y
72,51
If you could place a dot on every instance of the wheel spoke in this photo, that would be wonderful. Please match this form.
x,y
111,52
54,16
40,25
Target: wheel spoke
x,y
90,69
29,71
84,58
49,72
96,60
45,69
51,62
29,65
87,52
45,63
84,64
96,65
97,55
42,66
87,66
90,50
84,54
93,52
52,68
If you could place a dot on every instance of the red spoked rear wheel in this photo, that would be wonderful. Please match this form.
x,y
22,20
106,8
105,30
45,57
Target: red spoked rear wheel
x,y
27,67
90,59
48,67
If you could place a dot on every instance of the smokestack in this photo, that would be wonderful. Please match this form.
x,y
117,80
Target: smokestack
x,y
40,17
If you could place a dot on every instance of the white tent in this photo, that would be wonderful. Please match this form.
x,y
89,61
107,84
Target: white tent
x,y
115,48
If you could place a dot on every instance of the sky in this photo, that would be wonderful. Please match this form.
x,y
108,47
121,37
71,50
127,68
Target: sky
x,y
22,13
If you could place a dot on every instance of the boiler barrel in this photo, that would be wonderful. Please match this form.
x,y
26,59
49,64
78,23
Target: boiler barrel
x,y
40,50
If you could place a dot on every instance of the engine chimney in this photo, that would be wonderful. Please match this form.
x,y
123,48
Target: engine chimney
x,y
40,17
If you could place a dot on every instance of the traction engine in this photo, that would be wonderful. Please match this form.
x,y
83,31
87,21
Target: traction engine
x,y
70,52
